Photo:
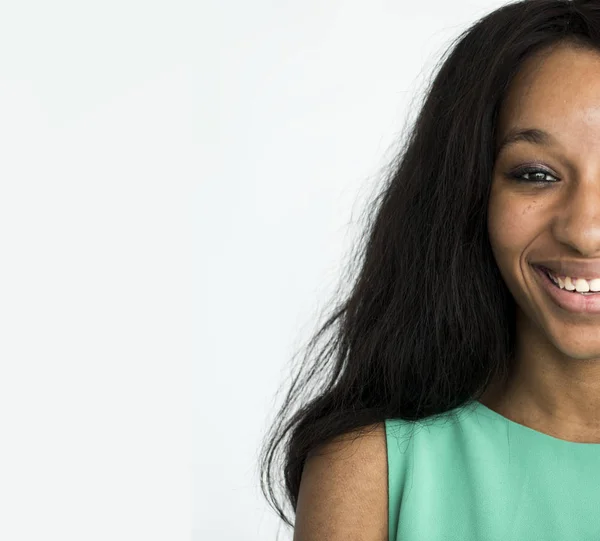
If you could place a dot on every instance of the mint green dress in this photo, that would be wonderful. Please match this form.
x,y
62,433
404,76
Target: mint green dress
x,y
483,477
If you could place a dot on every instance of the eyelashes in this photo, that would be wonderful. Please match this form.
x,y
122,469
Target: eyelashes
x,y
532,175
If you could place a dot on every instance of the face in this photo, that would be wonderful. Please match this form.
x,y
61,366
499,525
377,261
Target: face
x,y
552,214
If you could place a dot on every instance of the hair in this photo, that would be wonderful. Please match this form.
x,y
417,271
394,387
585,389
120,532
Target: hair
x,y
428,322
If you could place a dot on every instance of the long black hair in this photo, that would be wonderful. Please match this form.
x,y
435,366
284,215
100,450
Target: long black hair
x,y
428,322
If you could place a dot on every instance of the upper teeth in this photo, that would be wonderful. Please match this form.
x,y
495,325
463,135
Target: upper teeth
x,y
579,284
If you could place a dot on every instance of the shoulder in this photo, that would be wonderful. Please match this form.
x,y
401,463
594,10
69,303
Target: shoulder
x,y
343,489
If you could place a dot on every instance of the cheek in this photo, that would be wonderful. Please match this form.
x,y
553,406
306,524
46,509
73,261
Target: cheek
x,y
509,237
511,224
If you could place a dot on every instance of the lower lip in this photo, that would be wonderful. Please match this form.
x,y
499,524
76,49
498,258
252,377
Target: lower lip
x,y
572,302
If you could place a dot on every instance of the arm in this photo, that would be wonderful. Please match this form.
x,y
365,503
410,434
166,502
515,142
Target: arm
x,y
343,491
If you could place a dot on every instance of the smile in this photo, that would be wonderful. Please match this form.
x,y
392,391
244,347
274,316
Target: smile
x,y
571,301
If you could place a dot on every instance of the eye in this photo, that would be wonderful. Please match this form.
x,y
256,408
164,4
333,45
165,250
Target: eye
x,y
532,175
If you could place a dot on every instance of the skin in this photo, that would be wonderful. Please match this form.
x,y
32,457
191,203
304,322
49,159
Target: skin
x,y
555,384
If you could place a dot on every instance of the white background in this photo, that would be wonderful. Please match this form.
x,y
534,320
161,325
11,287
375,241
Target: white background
x,y
306,102
179,185
99,160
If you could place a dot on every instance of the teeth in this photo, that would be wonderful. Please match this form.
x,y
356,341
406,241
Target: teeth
x,y
580,285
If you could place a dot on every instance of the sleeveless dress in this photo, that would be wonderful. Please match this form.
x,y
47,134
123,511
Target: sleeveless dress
x,y
475,475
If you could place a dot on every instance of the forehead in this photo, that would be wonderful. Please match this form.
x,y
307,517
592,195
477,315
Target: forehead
x,y
558,91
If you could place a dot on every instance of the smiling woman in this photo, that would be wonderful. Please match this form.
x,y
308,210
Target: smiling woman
x,y
475,396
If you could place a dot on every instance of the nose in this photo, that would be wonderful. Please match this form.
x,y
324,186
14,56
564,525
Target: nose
x,y
578,220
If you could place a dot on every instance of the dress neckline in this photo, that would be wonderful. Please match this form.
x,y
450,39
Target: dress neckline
x,y
531,431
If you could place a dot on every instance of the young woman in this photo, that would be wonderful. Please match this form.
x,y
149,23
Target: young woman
x,y
459,394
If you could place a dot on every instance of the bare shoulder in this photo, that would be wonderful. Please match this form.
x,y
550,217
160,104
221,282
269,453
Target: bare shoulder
x,y
343,491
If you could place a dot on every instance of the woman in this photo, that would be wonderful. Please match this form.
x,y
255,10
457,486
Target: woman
x,y
460,394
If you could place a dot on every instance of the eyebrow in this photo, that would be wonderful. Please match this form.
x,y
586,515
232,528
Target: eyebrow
x,y
530,135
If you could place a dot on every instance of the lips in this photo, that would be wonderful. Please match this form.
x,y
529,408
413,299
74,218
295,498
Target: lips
x,y
574,303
